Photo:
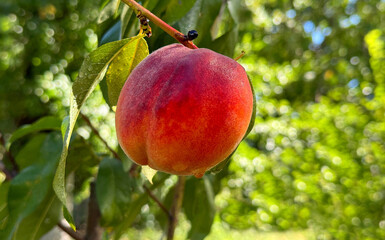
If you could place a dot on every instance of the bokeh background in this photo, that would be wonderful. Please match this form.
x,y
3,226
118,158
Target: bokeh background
x,y
313,167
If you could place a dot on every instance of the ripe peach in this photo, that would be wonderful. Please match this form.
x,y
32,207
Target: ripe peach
x,y
182,111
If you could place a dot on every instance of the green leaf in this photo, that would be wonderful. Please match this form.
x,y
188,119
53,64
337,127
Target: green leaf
x,y
64,126
148,172
226,43
29,188
238,11
23,158
198,205
131,214
120,68
42,220
223,23
113,191
139,199
108,11
253,114
151,4
44,123
112,34
81,156
125,18
93,69
82,161
90,74
201,17
4,187
176,9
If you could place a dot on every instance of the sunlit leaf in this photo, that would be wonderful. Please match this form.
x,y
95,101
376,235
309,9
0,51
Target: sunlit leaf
x,y
122,65
149,173
90,74
112,34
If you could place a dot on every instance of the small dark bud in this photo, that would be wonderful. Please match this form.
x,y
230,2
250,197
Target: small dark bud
x,y
191,35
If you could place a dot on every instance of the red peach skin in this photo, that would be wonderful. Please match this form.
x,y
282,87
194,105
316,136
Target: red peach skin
x,y
182,111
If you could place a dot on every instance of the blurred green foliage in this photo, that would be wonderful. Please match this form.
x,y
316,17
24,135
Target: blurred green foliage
x,y
314,160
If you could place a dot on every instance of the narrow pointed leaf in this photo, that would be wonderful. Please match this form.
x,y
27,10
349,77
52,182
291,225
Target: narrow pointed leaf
x,y
90,74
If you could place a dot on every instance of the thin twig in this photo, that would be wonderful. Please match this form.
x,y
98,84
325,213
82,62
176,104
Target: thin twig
x,y
160,204
92,229
140,10
69,231
132,171
9,155
176,205
94,130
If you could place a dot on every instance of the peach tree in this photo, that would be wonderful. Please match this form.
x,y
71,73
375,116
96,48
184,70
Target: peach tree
x,y
38,191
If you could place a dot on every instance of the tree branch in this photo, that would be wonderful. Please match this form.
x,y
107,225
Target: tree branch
x,y
140,10
69,231
96,132
133,170
94,231
176,205
160,204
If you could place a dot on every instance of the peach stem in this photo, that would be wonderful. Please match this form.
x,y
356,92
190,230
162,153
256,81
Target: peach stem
x,y
180,37
240,56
